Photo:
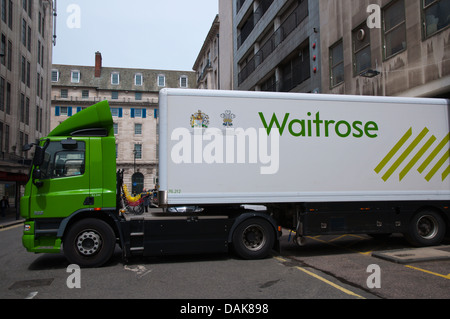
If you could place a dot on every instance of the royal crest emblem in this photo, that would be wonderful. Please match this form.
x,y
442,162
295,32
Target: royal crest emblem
x,y
199,120
228,118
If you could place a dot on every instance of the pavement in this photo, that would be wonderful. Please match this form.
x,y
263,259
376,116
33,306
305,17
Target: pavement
x,y
411,255
10,219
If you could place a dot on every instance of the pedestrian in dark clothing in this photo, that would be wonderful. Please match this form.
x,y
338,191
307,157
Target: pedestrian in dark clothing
x,y
4,204
146,200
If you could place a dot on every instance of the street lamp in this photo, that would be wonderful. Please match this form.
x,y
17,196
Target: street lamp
x,y
134,155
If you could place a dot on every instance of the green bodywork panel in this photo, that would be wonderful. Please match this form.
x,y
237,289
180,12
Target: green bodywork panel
x,y
73,179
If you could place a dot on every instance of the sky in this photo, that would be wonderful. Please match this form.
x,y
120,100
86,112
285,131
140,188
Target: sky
x,y
144,34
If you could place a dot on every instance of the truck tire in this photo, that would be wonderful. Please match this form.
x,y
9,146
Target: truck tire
x,y
427,228
253,239
89,243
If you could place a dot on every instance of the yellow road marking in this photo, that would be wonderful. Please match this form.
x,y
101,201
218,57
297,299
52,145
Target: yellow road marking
x,y
348,292
12,227
428,272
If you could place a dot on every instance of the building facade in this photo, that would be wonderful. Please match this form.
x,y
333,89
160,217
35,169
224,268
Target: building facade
x,y
208,63
26,28
276,45
214,63
392,48
133,98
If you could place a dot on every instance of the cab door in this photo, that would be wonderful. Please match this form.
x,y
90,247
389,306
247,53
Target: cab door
x,y
64,184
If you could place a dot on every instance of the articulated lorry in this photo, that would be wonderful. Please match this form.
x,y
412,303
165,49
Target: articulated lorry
x,y
245,164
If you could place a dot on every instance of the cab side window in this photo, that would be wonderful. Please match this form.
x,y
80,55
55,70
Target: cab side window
x,y
60,162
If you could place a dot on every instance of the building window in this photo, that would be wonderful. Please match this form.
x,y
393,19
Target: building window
x,y
64,110
138,113
117,112
75,76
138,96
138,79
22,69
137,151
23,36
269,85
183,81
435,15
2,93
336,64
116,128
137,129
115,78
296,70
3,50
55,76
114,95
64,93
394,29
161,80
361,49
85,94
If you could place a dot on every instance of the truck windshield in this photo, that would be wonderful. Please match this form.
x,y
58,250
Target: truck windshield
x,y
60,162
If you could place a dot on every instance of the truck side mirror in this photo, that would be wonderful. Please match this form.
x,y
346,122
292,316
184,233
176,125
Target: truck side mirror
x,y
39,156
27,147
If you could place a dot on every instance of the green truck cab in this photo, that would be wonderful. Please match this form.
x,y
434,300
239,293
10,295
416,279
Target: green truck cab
x,y
73,176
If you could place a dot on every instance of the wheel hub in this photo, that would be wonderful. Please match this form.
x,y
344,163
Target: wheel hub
x,y
88,243
427,227
254,237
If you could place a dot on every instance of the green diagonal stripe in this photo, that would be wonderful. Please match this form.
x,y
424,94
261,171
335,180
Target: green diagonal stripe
x,y
417,157
405,154
446,173
393,151
436,167
434,154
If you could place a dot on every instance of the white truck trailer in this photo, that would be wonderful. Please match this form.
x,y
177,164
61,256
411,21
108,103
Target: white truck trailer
x,y
321,164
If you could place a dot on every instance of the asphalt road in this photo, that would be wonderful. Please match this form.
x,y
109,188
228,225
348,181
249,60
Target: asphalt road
x,y
327,268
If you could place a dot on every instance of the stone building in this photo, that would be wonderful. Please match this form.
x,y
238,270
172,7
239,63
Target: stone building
x,y
385,47
26,28
214,63
133,98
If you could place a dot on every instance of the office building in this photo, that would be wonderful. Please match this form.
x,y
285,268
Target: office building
x,y
26,28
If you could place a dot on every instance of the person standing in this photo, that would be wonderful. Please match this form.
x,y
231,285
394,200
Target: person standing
x,y
146,200
4,204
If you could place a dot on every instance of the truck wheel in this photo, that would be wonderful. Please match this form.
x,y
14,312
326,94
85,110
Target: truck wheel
x,y
253,239
89,243
427,228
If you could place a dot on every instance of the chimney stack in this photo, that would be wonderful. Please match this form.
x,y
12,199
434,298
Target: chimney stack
x,y
98,64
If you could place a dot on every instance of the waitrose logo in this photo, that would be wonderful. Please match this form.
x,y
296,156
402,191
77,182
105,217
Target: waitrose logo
x,y
315,126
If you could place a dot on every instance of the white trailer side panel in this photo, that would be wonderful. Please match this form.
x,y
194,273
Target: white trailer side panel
x,y
215,148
